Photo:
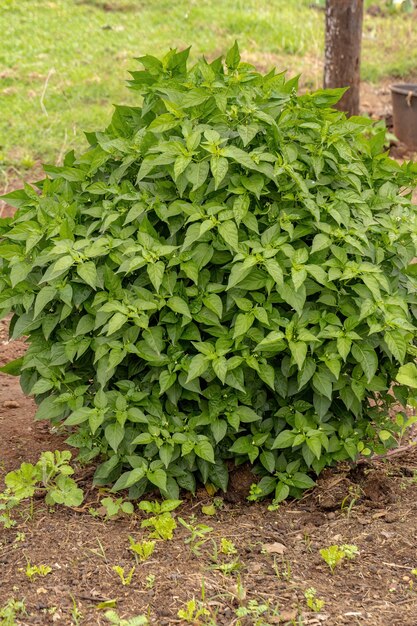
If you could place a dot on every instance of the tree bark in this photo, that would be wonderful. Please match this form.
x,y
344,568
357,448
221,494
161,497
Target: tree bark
x,y
343,50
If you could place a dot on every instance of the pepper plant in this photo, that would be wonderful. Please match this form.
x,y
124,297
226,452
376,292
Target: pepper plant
x,y
224,274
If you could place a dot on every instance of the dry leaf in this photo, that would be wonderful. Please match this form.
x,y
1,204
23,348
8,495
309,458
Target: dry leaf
x,y
274,548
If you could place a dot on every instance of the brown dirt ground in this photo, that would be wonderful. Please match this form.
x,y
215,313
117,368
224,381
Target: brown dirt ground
x,y
375,589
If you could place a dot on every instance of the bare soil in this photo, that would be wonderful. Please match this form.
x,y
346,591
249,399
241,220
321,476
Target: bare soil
x,y
373,506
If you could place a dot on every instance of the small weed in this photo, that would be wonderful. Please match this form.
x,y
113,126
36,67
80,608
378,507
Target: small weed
x,y
284,570
150,581
229,568
75,612
313,603
141,549
162,521
32,571
113,618
120,571
163,526
50,476
197,532
355,493
10,611
334,554
158,508
115,507
192,611
227,547
100,551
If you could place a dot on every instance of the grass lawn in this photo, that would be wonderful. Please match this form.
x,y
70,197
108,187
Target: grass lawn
x,y
63,62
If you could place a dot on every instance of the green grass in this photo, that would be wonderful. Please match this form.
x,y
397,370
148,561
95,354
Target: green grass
x,y
64,62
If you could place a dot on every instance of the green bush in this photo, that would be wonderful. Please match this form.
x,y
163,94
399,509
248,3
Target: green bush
x,y
224,274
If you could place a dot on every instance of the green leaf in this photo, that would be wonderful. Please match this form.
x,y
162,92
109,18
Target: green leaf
x,y
157,477
114,434
166,380
219,167
282,492
320,242
204,450
178,305
302,481
299,352
285,439
197,173
156,273
61,266
397,344
274,269
407,375
228,231
240,271
116,322
198,365
322,382
233,57
343,346
315,446
367,359
13,368
267,374
87,271
44,297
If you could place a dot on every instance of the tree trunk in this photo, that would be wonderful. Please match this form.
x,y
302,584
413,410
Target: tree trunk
x,y
343,50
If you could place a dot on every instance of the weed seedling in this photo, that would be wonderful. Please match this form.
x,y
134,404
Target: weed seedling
x,y
192,611
227,547
313,603
32,571
351,499
115,507
37,570
75,612
150,581
197,532
141,549
256,612
100,551
284,571
50,476
334,554
162,521
10,611
163,526
158,508
126,580
113,618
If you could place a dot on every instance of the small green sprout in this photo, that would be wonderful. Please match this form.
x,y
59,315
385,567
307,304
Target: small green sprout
x,y
115,507
334,554
150,581
197,532
192,611
10,611
227,547
313,603
141,549
163,526
37,570
113,618
126,580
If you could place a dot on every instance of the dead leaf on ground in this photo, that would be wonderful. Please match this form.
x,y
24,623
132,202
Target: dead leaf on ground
x,y
274,548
